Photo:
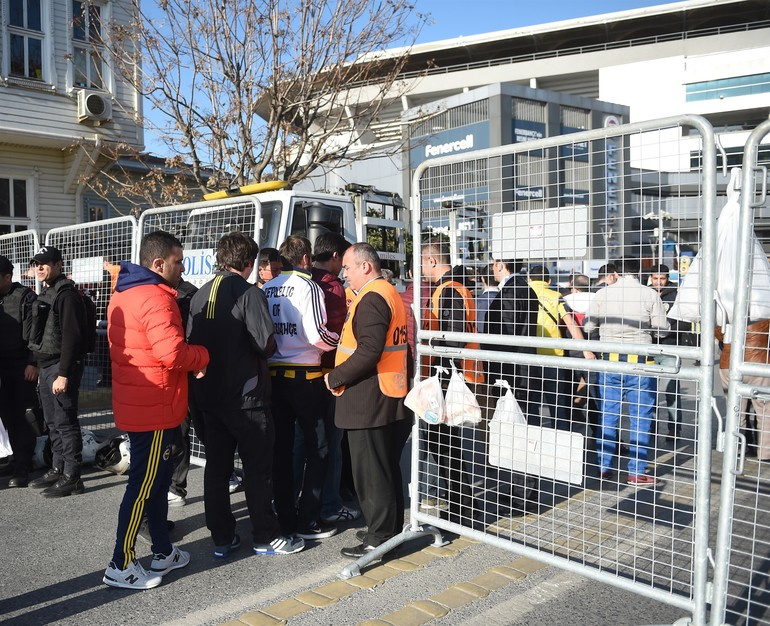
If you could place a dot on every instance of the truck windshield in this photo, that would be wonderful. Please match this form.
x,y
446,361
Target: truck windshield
x,y
269,224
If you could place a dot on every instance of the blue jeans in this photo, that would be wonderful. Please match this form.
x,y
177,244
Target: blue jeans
x,y
639,392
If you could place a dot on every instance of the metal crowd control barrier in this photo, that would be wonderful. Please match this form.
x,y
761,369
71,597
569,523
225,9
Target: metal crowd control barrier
x,y
91,253
573,203
199,226
20,248
743,539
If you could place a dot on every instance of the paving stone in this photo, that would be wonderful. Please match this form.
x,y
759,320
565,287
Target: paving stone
x,y
337,590
403,566
375,622
418,558
316,600
381,572
363,582
286,609
508,572
525,565
257,618
471,589
408,616
462,542
443,552
490,581
453,598
433,609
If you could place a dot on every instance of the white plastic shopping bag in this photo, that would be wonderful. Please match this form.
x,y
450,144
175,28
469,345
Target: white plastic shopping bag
x,y
460,404
5,442
426,399
507,409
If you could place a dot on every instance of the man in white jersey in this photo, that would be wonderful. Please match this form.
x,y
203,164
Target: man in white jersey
x,y
297,307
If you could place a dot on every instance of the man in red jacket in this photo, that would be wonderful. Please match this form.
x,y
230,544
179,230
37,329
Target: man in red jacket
x,y
150,362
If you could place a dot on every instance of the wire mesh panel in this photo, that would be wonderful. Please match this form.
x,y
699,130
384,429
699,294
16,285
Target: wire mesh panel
x,y
199,227
91,253
743,545
19,248
574,405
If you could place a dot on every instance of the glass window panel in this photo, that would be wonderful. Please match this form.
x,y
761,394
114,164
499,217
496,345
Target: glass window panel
x,y
16,17
79,65
35,58
5,197
95,23
34,21
17,55
5,229
20,198
78,21
96,74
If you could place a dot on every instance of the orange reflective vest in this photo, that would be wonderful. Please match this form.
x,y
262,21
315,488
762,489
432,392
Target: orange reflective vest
x,y
472,370
391,368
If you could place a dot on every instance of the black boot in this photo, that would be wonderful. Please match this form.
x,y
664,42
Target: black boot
x,y
51,477
20,478
65,486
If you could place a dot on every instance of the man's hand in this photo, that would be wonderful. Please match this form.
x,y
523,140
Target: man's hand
x,y
59,385
336,391
30,373
589,355
200,373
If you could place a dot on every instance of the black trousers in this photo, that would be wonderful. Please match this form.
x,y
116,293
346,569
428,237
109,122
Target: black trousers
x,y
251,433
375,454
60,413
16,395
146,494
297,401
180,454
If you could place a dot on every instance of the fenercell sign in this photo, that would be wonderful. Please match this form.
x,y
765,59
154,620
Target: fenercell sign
x,y
463,139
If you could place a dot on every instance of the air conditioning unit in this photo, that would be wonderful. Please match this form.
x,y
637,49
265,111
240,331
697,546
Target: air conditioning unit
x,y
94,105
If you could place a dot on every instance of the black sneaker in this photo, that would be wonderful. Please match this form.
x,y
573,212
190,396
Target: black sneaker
x,y
19,479
65,486
223,552
317,530
51,477
356,552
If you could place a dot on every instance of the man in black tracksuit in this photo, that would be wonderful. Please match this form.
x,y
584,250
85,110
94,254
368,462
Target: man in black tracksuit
x,y
229,317
17,372
59,341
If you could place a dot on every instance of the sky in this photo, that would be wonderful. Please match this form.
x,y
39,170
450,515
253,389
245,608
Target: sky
x,y
455,18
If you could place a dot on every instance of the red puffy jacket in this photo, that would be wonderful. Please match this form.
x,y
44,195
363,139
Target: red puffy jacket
x,y
150,358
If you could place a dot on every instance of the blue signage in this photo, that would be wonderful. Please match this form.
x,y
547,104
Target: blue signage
x,y
453,141
577,151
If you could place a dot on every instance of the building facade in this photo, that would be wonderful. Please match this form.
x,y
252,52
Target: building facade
x,y
61,103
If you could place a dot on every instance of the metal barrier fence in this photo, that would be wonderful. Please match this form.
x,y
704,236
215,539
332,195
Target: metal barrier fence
x,y
568,482
742,559
91,253
20,248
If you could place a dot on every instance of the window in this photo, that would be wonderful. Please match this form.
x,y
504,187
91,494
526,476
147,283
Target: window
x,y
26,38
86,41
752,85
13,205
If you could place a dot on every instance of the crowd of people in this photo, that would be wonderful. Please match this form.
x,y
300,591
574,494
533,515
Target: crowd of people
x,y
305,380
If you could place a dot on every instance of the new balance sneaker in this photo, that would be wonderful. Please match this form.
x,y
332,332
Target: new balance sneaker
x,y
235,483
223,552
280,545
162,564
175,500
317,531
134,576
345,514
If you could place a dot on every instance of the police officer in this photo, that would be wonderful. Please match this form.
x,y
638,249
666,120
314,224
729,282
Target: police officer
x,y
58,341
17,372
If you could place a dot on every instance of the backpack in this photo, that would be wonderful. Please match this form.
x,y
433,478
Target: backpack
x,y
89,334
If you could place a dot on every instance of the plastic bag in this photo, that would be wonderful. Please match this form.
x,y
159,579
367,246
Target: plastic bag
x,y
507,409
460,404
426,399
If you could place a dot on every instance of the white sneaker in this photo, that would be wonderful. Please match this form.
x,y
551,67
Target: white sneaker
x,y
345,514
162,564
175,500
133,577
235,483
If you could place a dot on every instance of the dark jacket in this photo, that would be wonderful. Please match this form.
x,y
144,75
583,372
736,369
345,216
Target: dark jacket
x,y
64,336
363,405
14,311
229,317
681,332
